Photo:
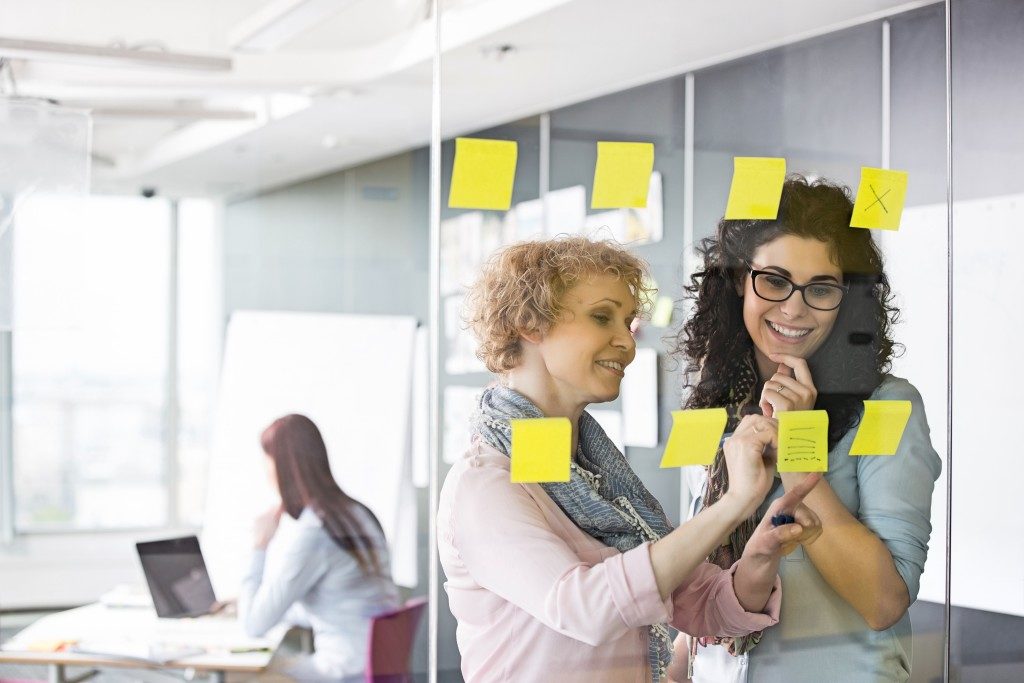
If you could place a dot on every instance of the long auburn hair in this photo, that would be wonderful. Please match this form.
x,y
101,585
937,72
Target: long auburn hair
x,y
304,479
851,362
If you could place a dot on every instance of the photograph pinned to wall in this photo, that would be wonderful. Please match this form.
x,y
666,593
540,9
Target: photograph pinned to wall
x,y
459,404
631,226
525,221
611,423
565,211
466,241
461,343
639,395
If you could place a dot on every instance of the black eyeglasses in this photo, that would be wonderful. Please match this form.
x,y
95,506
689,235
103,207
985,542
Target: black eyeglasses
x,y
771,286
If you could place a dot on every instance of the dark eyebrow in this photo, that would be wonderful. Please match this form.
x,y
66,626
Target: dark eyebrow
x,y
786,273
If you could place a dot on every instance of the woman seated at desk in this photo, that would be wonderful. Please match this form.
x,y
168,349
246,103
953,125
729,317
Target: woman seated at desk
x,y
329,569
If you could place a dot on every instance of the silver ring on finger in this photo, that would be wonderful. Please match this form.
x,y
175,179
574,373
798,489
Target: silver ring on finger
x,y
781,389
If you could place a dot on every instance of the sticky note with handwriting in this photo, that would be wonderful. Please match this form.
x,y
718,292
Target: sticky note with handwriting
x,y
483,174
803,441
881,428
541,450
756,188
880,197
695,437
622,175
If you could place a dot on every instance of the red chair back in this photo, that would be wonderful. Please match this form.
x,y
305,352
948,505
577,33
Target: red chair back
x,y
391,637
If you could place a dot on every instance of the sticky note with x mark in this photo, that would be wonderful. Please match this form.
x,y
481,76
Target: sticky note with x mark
x,y
695,437
756,188
622,175
483,174
881,428
540,450
803,441
880,199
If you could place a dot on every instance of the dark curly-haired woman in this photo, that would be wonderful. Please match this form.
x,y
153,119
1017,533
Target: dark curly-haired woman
x,y
796,314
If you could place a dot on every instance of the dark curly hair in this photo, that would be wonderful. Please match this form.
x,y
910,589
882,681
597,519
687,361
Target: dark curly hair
x,y
851,362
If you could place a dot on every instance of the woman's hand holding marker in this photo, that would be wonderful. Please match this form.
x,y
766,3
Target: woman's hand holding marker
x,y
800,526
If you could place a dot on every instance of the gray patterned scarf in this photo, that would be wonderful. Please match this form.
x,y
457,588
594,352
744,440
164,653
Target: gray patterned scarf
x,y
603,496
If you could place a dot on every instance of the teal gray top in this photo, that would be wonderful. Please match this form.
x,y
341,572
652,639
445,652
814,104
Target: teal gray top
x,y
820,637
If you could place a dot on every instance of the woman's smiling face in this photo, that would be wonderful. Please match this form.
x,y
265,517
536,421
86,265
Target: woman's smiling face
x,y
586,352
791,326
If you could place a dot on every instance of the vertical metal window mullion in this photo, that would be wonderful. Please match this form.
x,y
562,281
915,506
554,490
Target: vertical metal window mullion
x,y
544,176
947,617
886,93
171,411
689,253
6,439
433,364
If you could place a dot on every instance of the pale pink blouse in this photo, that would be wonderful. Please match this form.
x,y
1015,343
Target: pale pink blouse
x,y
537,599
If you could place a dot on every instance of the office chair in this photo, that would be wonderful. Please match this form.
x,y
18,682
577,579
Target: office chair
x,y
391,638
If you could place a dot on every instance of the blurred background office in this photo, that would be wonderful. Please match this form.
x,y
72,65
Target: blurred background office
x,y
178,178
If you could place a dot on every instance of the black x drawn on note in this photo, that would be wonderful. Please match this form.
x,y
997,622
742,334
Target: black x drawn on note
x,y
878,199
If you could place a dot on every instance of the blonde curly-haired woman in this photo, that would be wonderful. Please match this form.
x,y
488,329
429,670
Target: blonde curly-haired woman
x,y
576,581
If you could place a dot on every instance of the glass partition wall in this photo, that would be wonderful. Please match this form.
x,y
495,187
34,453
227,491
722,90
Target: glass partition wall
x,y
987,598
839,93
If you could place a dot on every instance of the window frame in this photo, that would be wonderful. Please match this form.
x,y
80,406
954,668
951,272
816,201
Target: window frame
x,y
10,532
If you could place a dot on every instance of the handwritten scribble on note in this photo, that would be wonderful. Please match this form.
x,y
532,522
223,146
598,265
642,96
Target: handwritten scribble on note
x,y
803,441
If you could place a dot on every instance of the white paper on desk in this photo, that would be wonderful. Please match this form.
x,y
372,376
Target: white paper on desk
x,y
611,423
122,648
640,400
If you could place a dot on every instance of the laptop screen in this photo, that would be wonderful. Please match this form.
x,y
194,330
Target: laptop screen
x,y
177,577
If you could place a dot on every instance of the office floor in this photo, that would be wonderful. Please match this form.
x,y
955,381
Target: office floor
x,y
987,649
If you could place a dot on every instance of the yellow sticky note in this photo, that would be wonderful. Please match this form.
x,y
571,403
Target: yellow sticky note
x,y
540,450
695,437
622,175
881,428
483,174
879,199
756,188
662,316
803,441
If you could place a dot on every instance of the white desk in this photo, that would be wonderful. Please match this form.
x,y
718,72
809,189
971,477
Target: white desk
x,y
131,628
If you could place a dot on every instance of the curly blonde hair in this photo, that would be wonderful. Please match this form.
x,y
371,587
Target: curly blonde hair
x,y
521,288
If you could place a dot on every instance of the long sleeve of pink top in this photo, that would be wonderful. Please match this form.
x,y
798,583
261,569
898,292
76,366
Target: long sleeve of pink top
x,y
537,599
